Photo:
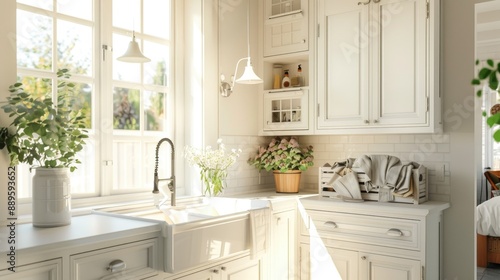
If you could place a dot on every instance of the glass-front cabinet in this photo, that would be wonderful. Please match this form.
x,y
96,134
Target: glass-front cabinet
x,y
283,7
285,27
286,109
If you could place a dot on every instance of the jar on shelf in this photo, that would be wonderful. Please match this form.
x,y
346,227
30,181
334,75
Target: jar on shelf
x,y
277,72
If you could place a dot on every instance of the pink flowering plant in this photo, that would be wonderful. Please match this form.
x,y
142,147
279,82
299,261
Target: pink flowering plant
x,y
283,154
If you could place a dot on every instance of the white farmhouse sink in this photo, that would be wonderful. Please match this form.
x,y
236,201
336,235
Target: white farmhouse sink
x,y
201,231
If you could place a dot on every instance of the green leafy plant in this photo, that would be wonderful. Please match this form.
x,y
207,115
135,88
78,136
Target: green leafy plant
x,y
42,132
489,73
283,154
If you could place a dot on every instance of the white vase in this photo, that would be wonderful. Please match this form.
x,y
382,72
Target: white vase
x,y
51,197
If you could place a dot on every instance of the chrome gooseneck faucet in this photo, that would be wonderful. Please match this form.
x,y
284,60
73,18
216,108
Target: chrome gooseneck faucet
x,y
171,184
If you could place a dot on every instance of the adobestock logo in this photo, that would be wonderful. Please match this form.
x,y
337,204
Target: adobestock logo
x,y
372,28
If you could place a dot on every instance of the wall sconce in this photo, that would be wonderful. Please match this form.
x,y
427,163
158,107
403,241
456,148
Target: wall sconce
x,y
133,53
249,77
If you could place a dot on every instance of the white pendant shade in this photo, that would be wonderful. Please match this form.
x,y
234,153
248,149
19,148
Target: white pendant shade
x,y
249,77
133,53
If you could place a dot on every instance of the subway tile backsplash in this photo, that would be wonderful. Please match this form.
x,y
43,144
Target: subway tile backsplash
x,y
431,150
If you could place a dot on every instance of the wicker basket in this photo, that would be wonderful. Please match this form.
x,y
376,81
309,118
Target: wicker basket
x,y
493,249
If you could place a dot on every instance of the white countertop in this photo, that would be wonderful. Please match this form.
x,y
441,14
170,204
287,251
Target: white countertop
x,y
390,208
274,195
86,228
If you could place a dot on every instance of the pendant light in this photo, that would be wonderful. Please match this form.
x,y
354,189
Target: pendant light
x,y
133,53
249,77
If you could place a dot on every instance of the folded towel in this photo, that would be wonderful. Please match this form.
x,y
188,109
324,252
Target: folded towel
x,y
346,186
260,222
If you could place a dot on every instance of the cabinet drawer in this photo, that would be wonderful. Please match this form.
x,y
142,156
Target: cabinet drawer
x,y
391,232
45,270
134,260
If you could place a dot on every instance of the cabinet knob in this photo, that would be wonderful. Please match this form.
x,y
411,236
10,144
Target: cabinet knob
x,y
216,271
223,268
367,121
363,257
116,265
375,121
303,41
364,3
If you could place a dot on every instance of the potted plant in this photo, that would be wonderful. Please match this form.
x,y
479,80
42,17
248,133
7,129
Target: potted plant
x,y
489,73
48,136
286,159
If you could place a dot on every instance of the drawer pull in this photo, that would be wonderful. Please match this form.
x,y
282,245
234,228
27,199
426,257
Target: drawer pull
x,y
395,232
331,224
116,265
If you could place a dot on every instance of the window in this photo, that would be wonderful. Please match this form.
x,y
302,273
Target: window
x,y
130,105
490,148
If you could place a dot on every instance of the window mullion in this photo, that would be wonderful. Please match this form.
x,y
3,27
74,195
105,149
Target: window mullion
x,y
105,126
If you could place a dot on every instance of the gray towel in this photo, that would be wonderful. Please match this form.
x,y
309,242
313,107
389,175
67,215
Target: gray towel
x,y
385,171
346,186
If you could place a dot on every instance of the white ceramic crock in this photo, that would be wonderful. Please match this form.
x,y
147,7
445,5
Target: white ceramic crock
x,y
51,197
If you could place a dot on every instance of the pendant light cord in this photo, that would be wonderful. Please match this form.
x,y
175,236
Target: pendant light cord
x,y
248,28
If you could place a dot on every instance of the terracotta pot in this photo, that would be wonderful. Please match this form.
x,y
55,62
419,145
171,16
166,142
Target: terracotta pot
x,y
287,182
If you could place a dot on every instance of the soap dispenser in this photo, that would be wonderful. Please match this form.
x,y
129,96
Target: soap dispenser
x,y
286,80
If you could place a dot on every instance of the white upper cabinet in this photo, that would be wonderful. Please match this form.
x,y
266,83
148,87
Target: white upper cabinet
x,y
342,64
377,66
285,27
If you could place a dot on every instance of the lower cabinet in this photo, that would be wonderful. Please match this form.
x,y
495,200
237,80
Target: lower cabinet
x,y
45,270
282,260
340,264
374,266
241,269
370,240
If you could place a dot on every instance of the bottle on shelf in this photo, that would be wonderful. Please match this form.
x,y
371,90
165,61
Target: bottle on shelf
x,y
277,71
286,83
297,80
299,76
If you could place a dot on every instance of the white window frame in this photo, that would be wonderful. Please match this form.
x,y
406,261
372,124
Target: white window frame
x,y
102,81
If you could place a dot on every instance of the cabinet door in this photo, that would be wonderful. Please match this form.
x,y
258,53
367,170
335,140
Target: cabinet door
x,y
346,263
242,269
378,267
286,110
282,255
46,270
209,274
304,261
343,46
398,52
319,261
285,27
